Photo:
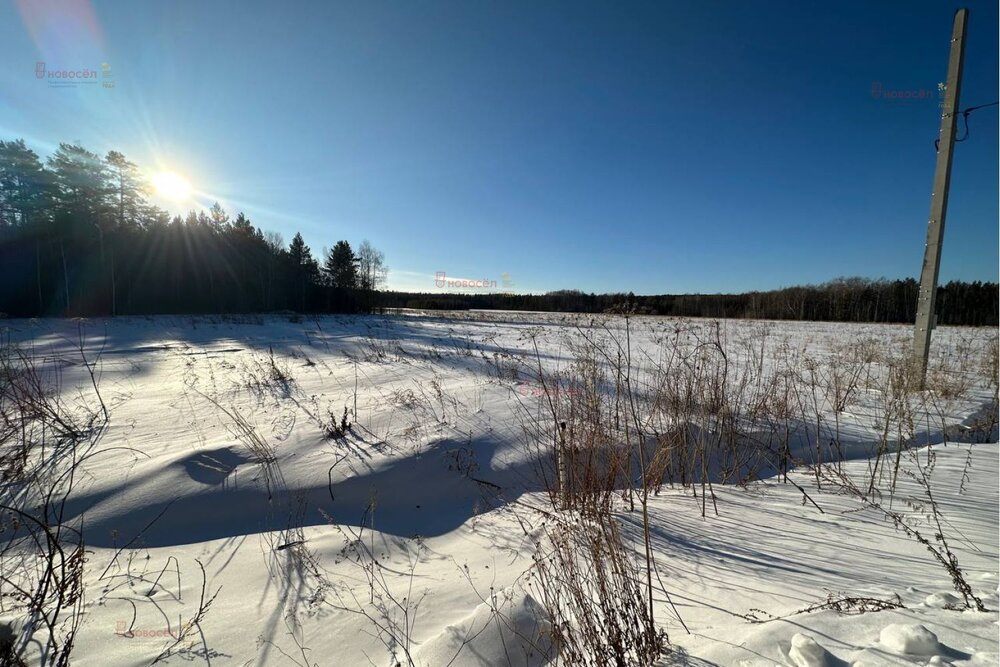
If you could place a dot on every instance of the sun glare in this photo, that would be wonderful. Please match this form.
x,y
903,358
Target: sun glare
x,y
170,185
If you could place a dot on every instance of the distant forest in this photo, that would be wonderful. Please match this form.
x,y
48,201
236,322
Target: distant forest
x,y
841,300
78,237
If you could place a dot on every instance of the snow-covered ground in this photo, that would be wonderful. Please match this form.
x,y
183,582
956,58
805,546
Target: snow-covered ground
x,y
435,483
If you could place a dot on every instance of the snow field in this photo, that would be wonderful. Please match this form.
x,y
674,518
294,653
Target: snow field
x,y
411,536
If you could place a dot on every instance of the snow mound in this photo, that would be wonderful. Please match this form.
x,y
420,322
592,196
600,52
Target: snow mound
x,y
910,639
513,631
805,652
943,601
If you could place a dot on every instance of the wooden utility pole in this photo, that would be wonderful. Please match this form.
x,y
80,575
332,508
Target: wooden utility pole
x,y
939,199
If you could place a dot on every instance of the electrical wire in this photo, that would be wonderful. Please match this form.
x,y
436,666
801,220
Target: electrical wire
x,y
965,122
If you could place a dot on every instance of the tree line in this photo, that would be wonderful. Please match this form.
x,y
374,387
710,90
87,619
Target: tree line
x,y
840,300
79,237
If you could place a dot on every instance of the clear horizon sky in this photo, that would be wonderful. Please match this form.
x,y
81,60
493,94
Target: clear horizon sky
x,y
654,147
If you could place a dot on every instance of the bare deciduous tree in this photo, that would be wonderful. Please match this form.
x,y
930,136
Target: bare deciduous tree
x,y
372,271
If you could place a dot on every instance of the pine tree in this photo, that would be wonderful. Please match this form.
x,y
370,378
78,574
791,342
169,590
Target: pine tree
x,y
341,267
127,190
305,270
25,202
219,218
80,211
25,186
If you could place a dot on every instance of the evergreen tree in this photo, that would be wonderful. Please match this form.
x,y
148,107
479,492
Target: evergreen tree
x,y
25,186
341,267
81,186
218,217
305,270
128,190
81,214
25,213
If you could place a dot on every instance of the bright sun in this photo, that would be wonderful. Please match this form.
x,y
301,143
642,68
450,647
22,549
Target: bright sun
x,y
171,185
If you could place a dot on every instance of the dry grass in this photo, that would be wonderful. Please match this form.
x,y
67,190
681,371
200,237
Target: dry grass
x,y
593,589
711,406
43,445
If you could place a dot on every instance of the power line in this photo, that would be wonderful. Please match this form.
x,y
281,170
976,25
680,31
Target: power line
x,y
965,121
965,117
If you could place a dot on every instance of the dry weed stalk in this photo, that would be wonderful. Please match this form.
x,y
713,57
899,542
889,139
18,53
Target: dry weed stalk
x,y
926,507
43,446
713,406
594,593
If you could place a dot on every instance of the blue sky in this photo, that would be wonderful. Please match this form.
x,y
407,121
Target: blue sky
x,y
661,147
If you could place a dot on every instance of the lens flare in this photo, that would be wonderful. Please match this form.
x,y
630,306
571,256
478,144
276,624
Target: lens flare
x,y
172,186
